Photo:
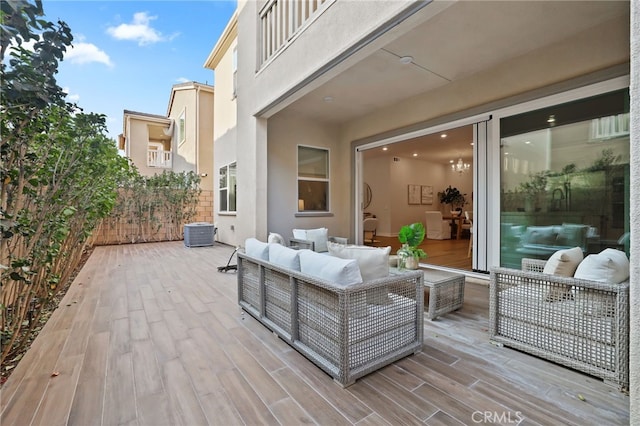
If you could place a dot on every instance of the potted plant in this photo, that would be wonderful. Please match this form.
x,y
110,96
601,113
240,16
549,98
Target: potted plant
x,y
454,197
411,236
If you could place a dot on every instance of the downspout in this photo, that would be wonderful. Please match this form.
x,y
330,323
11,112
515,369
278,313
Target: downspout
x,y
198,130
127,142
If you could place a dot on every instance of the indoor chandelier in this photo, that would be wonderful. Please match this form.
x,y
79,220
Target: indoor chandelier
x,y
460,166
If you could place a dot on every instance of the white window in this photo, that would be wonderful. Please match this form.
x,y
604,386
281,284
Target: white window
x,y
313,179
181,128
227,188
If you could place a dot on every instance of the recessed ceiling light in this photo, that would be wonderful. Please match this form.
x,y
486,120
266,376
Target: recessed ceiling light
x,y
406,59
527,142
451,161
328,99
471,144
551,119
415,154
384,148
444,135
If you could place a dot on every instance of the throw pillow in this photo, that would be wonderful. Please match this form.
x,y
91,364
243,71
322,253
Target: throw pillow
x,y
319,237
373,261
284,256
341,272
564,262
276,239
610,265
256,248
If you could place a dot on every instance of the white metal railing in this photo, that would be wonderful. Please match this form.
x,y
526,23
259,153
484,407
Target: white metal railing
x,y
280,20
159,158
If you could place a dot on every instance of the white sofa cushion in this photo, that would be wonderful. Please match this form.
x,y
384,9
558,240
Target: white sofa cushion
x,y
256,248
373,261
610,265
564,262
284,256
319,237
342,272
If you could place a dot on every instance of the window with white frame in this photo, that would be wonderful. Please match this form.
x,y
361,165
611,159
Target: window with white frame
x,y
181,128
313,179
227,188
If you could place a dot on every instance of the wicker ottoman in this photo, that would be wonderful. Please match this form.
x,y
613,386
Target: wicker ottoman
x,y
446,291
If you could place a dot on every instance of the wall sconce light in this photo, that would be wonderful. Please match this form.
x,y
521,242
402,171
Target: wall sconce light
x,y
204,174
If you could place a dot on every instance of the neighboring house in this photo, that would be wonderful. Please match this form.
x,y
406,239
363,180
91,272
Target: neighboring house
x,y
180,141
313,88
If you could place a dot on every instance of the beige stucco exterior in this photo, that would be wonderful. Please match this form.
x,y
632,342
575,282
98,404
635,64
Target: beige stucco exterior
x,y
195,153
267,127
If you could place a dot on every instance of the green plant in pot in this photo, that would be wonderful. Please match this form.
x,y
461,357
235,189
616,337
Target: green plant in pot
x,y
452,196
411,236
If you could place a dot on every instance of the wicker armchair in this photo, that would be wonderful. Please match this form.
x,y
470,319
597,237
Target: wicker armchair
x,y
587,329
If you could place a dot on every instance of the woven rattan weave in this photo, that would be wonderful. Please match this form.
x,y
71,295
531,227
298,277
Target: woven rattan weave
x,y
578,323
347,332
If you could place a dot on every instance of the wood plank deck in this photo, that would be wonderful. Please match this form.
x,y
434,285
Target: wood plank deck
x,y
151,334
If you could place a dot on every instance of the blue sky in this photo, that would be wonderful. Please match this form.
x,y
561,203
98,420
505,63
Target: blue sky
x,y
128,54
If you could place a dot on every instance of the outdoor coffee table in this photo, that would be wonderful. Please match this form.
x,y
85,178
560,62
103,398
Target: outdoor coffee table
x,y
446,291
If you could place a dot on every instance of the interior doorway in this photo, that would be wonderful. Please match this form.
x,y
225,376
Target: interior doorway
x,y
405,178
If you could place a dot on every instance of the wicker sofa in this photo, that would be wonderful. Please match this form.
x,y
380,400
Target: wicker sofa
x,y
588,330
347,331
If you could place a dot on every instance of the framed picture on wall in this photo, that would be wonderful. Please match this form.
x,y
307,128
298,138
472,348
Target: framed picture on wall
x,y
426,194
414,194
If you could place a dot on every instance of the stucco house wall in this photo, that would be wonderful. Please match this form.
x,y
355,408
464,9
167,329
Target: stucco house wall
x,y
634,356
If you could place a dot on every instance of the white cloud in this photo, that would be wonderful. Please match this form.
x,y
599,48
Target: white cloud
x,y
182,80
73,98
138,30
83,53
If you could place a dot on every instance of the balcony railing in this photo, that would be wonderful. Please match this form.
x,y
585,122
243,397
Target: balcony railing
x,y
159,158
280,20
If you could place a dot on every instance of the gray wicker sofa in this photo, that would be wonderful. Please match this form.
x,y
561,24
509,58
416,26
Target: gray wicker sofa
x,y
347,331
588,330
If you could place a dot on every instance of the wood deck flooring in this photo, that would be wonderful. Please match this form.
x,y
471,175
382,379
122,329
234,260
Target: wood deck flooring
x,y
151,334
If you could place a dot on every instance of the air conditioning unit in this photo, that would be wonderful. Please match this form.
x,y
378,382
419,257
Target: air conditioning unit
x,y
199,234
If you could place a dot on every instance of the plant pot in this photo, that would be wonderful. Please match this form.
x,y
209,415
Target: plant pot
x,y
411,262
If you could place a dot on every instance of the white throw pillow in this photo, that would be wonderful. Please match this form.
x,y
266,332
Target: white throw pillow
x,y
276,239
256,248
564,262
284,256
610,265
341,272
373,261
319,237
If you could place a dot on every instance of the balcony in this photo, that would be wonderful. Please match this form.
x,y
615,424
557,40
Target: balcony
x,y
281,20
159,158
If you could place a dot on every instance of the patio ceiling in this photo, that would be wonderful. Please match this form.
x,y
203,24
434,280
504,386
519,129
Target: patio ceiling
x,y
465,38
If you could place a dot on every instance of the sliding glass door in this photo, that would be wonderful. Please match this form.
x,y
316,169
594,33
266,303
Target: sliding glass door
x,y
564,178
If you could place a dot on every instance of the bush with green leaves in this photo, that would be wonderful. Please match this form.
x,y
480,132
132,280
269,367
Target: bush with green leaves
x,y
59,172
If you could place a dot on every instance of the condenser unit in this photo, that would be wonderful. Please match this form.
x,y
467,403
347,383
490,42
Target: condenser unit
x,y
199,234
